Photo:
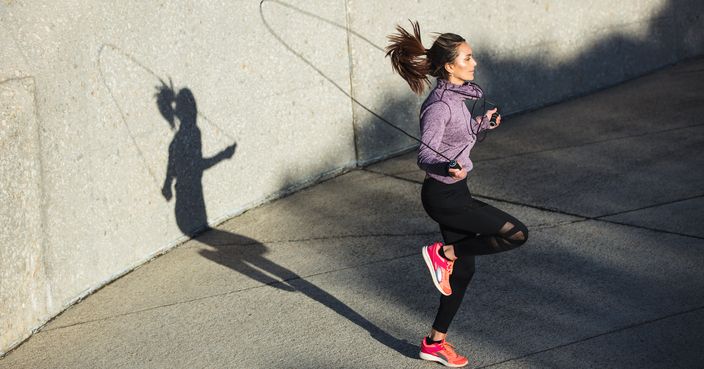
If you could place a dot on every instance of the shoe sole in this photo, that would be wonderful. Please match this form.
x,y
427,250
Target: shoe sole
x,y
440,360
426,257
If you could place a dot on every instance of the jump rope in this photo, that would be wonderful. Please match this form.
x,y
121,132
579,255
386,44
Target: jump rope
x,y
452,163
162,87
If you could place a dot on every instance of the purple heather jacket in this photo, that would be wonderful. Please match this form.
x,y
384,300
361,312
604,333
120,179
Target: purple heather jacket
x,y
444,126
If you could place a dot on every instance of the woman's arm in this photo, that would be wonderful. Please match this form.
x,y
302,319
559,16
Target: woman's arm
x,y
432,127
224,154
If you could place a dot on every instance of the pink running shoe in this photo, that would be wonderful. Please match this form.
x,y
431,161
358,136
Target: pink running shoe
x,y
444,353
439,267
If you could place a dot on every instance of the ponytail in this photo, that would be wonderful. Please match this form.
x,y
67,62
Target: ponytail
x,y
408,57
413,62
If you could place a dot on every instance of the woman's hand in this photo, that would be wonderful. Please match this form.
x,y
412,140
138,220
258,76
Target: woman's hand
x,y
488,115
166,191
458,173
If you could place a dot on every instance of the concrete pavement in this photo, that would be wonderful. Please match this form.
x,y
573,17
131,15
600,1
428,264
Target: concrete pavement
x,y
610,184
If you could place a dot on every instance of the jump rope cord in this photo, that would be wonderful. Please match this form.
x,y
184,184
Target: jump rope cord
x,y
303,58
299,55
122,113
119,108
471,111
320,72
155,75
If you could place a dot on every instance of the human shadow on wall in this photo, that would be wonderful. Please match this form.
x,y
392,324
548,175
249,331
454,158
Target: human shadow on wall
x,y
242,254
186,162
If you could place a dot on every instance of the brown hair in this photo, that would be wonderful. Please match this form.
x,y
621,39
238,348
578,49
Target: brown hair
x,y
414,63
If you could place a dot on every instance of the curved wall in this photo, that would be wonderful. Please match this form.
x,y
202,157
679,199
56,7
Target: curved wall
x,y
99,174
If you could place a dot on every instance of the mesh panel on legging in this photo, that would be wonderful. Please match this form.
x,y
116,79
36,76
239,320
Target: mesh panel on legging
x,y
509,237
473,227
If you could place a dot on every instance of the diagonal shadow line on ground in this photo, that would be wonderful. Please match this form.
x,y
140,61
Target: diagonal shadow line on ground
x,y
687,71
658,230
651,206
589,143
617,330
600,217
337,237
597,218
557,211
202,298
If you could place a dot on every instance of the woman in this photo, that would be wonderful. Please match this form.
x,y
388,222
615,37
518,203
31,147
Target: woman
x,y
469,227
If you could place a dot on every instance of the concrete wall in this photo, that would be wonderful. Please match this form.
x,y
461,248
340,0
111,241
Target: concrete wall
x,y
288,85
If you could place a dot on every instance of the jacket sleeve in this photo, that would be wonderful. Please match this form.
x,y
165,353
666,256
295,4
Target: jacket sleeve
x,y
432,127
482,122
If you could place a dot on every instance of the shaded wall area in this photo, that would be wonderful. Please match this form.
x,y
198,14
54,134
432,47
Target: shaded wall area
x,y
119,118
530,54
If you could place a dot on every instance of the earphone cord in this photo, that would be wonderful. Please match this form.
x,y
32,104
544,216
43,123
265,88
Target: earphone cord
x,y
479,126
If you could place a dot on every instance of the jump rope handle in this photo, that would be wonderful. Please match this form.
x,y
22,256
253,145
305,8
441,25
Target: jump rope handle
x,y
453,165
492,121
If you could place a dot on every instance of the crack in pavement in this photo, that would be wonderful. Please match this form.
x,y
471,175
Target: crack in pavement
x,y
617,330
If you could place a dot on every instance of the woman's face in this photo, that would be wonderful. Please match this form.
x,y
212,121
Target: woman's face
x,y
462,68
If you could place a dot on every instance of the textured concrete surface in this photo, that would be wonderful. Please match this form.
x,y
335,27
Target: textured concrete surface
x,y
336,267
284,93
23,285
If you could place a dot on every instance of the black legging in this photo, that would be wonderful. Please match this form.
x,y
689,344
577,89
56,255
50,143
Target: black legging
x,y
474,228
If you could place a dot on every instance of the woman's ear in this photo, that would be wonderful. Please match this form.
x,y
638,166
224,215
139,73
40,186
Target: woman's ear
x,y
449,67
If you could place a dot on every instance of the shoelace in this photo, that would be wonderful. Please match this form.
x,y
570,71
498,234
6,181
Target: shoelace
x,y
450,265
450,349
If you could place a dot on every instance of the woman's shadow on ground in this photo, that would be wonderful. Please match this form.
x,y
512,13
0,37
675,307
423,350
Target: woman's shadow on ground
x,y
186,166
